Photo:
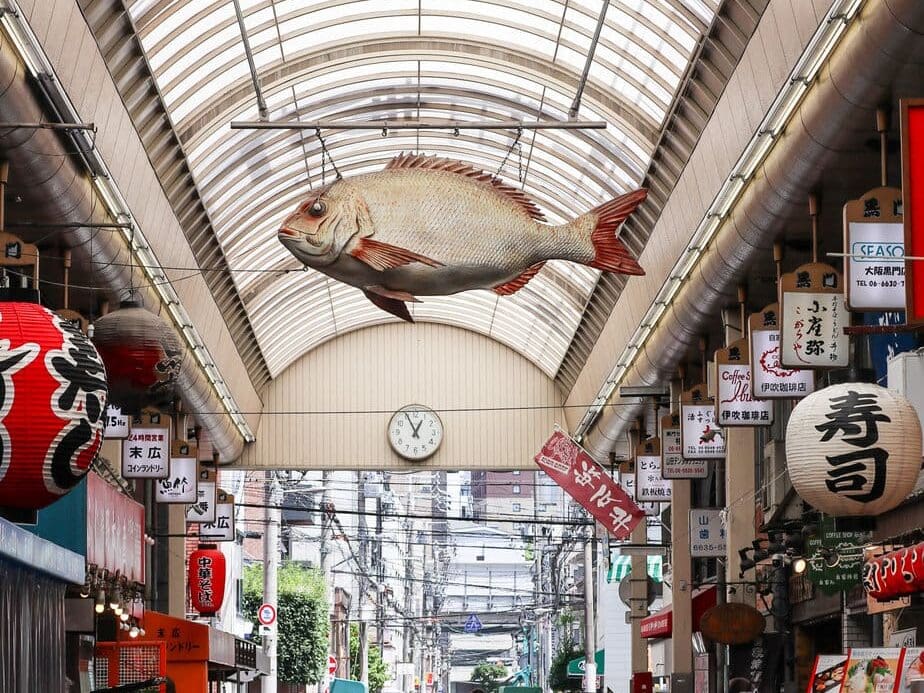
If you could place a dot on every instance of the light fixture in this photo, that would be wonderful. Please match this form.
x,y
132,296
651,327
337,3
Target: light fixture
x,y
133,631
99,604
118,610
799,565
115,600
123,616
141,631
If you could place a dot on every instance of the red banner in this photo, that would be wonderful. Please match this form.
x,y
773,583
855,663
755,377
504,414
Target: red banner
x,y
913,187
115,530
569,466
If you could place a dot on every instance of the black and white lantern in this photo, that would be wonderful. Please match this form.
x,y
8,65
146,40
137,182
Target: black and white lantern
x,y
854,449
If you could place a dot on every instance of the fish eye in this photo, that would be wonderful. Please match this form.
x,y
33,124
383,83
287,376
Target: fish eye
x,y
317,209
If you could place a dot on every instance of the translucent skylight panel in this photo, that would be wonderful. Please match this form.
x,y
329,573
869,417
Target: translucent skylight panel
x,y
343,32
490,32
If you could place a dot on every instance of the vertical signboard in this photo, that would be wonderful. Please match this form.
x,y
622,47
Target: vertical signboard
x,y
707,534
701,436
222,527
874,239
145,453
180,485
116,425
770,379
735,404
673,464
814,317
650,485
913,189
203,510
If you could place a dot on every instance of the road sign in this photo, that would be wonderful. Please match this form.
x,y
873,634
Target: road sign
x,y
266,614
473,624
331,664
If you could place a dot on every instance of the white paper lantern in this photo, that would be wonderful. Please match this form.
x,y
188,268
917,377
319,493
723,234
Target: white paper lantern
x,y
854,449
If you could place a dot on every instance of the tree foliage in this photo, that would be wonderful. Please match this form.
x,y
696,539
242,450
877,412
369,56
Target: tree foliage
x,y
302,617
489,675
558,672
378,669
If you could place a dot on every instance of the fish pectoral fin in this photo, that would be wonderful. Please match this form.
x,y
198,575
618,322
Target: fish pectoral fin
x,y
391,293
383,256
519,282
389,305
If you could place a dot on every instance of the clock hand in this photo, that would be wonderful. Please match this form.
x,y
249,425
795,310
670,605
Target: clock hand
x,y
418,428
413,430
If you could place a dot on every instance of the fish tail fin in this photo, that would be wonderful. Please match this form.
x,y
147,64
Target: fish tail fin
x,y
609,252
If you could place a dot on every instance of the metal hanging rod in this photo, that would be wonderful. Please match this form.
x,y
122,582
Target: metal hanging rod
x,y
68,225
422,125
48,126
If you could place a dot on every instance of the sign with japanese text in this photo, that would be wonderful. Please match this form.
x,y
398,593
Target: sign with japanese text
x,y
649,484
873,670
760,662
701,436
735,404
627,481
116,424
814,317
840,547
673,464
569,466
707,533
187,641
769,378
222,527
912,128
146,452
180,485
874,236
203,510
891,576
115,530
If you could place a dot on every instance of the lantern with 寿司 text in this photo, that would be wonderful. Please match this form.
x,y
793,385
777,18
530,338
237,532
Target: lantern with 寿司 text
x,y
143,357
52,400
854,449
207,579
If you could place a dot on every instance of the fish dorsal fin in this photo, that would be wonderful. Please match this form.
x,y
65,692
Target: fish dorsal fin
x,y
438,163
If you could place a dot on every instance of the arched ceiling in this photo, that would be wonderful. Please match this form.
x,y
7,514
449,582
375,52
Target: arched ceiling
x,y
412,59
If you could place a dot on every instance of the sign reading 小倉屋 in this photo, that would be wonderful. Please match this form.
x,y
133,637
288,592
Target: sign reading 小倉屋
x,y
569,466
814,317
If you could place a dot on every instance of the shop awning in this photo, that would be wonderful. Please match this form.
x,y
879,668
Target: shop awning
x,y
660,624
620,566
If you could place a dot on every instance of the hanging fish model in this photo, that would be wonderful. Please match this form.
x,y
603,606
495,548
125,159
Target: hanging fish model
x,y
428,226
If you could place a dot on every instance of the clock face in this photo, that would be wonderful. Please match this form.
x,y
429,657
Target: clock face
x,y
415,432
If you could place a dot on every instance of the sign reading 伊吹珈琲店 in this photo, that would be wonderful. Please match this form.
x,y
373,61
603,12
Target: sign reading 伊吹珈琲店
x,y
770,379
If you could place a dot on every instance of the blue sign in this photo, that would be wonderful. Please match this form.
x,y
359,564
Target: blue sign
x,y
473,624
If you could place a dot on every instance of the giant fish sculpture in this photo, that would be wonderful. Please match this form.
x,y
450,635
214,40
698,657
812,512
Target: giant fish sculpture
x,y
428,226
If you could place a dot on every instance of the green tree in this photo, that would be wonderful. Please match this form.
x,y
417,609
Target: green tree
x,y
378,669
558,671
489,675
302,616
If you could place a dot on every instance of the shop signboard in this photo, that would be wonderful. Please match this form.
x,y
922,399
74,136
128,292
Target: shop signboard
x,y
203,510
874,235
650,485
912,127
874,605
116,425
707,533
115,530
814,317
912,669
735,403
758,661
180,485
827,673
673,464
701,437
843,567
873,670
569,466
222,527
769,378
145,453
627,481
903,638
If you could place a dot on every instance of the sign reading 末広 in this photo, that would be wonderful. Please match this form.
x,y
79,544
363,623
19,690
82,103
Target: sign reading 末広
x,y
814,317
650,485
569,466
707,535
673,464
874,235
222,527
770,379
145,453
735,404
701,436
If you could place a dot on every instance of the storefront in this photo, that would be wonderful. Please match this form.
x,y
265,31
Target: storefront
x,y
657,627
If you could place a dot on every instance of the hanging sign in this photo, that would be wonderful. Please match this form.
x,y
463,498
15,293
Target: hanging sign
x,y
673,464
222,528
843,569
116,423
203,510
145,453
701,437
814,317
707,535
569,466
854,449
735,404
627,481
895,573
874,238
769,378
180,485
207,575
649,484
912,128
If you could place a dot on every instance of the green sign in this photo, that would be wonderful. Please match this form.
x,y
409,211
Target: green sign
x,y
848,572
576,666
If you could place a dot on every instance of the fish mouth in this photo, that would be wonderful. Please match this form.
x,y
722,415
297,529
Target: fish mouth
x,y
285,233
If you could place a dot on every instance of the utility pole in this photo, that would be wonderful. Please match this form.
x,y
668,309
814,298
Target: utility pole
x,y
270,573
325,530
363,653
590,636
380,578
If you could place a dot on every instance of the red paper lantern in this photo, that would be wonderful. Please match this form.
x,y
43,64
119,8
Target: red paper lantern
x,y
143,357
52,403
895,574
207,579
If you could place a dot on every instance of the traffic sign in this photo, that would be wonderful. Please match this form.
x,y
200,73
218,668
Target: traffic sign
x,y
331,665
266,614
473,624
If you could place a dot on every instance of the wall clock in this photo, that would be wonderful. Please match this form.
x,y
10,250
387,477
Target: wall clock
x,y
415,432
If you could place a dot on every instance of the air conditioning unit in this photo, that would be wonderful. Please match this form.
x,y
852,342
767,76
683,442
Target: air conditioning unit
x,y
775,482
